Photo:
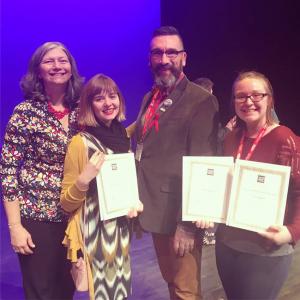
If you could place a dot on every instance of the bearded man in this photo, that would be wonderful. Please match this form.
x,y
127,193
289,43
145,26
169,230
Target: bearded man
x,y
177,118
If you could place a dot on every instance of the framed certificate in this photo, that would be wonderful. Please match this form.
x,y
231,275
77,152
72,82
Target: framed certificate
x,y
206,184
258,195
117,186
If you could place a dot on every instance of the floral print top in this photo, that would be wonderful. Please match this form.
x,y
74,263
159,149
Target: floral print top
x,y
32,160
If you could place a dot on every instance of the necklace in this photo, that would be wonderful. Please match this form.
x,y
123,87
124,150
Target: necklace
x,y
57,113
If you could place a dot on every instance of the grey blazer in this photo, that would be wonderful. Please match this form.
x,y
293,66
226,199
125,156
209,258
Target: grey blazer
x,y
186,127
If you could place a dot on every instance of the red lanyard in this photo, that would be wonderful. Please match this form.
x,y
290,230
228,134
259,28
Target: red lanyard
x,y
255,143
151,115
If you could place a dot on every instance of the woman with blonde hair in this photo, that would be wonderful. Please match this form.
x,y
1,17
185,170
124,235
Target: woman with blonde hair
x,y
255,265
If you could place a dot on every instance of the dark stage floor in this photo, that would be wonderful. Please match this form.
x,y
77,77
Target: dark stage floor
x,y
147,281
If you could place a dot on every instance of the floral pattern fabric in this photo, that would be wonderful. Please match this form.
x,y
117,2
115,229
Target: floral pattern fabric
x,y
32,160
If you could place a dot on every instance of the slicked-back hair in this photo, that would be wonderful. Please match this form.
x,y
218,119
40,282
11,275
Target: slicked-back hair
x,y
32,85
269,89
99,84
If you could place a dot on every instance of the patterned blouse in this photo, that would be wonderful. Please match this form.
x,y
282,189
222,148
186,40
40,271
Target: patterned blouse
x,y
32,160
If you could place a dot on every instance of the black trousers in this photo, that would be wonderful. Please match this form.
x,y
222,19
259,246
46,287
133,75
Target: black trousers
x,y
46,272
247,276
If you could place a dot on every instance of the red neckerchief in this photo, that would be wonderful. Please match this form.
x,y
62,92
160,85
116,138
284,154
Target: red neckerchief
x,y
255,143
151,115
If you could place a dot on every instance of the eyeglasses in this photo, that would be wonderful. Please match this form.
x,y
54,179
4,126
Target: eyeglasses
x,y
254,97
170,53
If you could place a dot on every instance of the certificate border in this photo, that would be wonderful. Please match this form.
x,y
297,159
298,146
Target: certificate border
x,y
188,162
242,166
102,199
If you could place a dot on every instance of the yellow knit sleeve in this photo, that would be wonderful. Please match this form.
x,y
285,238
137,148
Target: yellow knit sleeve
x,y
73,237
131,129
71,197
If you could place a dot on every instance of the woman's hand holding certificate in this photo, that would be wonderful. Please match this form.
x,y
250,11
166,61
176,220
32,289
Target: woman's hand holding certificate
x,y
90,170
278,234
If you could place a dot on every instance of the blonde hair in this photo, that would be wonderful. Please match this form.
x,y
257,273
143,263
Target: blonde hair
x,y
259,76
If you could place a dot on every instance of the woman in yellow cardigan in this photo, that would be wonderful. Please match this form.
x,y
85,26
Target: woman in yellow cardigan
x,y
106,243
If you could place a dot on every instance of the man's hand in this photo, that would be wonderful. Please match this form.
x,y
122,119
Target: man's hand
x,y
134,211
184,240
204,224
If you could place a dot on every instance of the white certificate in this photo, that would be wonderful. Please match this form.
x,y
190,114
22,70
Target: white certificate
x,y
117,186
206,184
258,195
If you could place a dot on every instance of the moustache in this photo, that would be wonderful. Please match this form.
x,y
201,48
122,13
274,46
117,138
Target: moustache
x,y
164,67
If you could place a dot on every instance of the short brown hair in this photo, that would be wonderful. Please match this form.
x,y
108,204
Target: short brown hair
x,y
98,84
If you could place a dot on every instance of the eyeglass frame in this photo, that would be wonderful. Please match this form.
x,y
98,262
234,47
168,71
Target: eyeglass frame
x,y
246,97
160,53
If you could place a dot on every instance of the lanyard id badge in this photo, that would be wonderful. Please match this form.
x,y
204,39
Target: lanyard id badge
x,y
139,151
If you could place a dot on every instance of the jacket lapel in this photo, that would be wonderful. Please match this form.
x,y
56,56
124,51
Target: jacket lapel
x,y
175,97
164,109
139,121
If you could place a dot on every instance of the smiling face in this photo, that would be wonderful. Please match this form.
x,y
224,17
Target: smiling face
x,y
167,70
254,114
106,107
55,68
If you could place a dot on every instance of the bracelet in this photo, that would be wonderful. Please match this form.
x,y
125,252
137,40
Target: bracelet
x,y
10,225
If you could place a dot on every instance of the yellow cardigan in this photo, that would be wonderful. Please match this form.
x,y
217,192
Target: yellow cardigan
x,y
72,200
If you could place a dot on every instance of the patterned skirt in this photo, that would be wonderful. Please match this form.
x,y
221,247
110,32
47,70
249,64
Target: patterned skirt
x,y
107,246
